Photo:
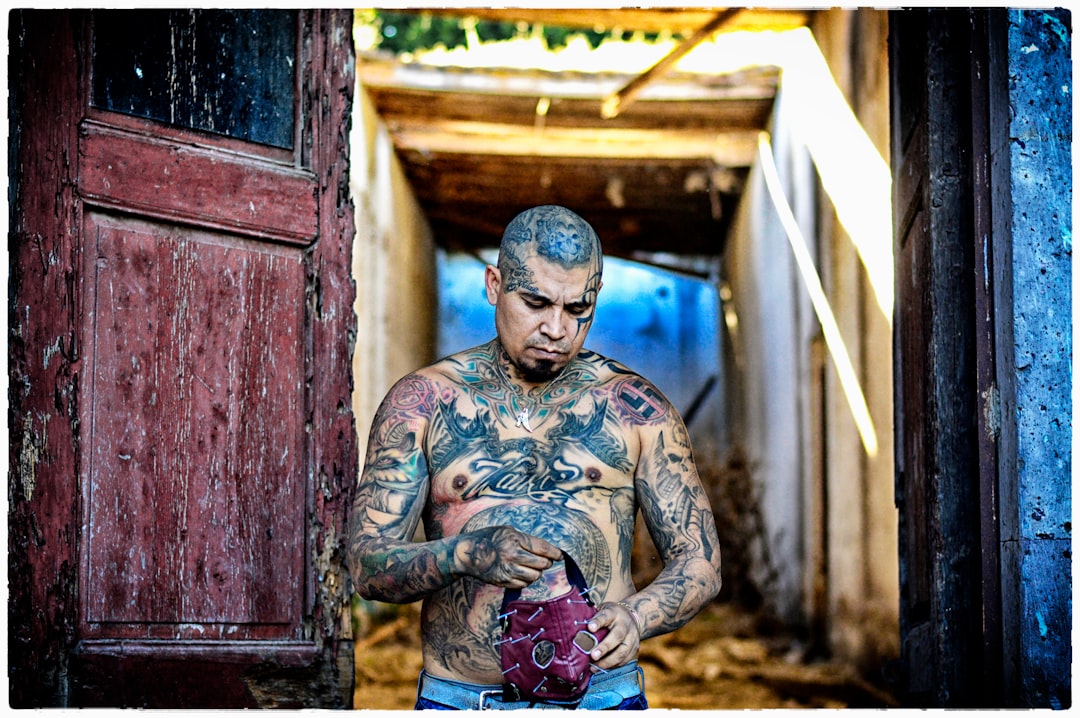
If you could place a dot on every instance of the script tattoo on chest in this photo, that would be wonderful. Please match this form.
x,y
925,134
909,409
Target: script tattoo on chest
x,y
536,468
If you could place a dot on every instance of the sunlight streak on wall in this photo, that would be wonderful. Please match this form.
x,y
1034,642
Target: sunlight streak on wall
x,y
849,380
852,171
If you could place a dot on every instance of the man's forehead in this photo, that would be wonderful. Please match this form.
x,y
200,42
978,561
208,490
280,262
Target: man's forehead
x,y
554,281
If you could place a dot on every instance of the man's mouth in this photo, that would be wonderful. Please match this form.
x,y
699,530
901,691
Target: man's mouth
x,y
547,354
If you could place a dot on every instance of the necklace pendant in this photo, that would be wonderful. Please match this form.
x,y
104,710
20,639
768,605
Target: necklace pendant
x,y
523,419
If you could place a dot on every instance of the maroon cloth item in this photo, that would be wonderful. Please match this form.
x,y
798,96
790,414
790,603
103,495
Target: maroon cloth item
x,y
545,645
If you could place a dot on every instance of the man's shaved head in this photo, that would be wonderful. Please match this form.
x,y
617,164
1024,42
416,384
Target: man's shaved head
x,y
552,233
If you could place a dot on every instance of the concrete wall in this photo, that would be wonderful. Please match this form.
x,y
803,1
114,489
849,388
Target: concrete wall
x,y
863,570
828,557
768,391
1035,360
394,269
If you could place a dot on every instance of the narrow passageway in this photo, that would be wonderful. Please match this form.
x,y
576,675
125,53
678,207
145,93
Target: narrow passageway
x,y
719,306
725,659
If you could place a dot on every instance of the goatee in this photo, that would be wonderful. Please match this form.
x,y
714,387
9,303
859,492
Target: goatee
x,y
539,371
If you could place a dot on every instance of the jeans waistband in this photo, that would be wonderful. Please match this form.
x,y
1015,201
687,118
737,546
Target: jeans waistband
x,y
606,690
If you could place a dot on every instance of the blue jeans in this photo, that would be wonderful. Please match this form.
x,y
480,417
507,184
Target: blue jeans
x,y
625,685
637,703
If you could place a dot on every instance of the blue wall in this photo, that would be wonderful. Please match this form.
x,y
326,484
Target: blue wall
x,y
1037,531
661,324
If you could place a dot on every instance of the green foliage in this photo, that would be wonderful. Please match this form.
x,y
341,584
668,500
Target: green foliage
x,y
408,32
402,31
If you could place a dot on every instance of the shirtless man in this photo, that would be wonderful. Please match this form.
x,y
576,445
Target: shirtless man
x,y
518,450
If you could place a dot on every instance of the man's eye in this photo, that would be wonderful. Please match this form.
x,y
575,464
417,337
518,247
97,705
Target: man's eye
x,y
577,311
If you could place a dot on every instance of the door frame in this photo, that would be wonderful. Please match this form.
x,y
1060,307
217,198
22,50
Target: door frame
x,y
950,181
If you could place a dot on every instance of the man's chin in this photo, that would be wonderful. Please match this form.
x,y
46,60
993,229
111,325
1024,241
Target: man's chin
x,y
540,371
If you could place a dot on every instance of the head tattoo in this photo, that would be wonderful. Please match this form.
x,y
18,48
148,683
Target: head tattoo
x,y
552,233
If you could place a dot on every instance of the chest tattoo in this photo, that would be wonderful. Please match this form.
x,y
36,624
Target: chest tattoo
x,y
543,467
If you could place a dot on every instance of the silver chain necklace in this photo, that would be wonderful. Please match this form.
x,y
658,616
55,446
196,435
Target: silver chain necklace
x,y
521,419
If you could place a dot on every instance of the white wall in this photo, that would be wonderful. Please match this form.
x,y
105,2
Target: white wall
x,y
827,552
771,344
394,269
863,594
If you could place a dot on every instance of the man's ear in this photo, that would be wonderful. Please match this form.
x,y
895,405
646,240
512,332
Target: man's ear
x,y
493,283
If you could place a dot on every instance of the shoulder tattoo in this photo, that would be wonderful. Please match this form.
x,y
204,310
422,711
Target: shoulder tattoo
x,y
412,396
637,400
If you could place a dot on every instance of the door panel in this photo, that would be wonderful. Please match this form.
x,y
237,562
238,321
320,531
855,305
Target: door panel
x,y
913,363
195,482
194,498
939,134
913,500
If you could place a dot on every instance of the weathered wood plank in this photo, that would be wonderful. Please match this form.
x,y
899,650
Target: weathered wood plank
x,y
729,149
334,460
206,187
740,102
645,19
470,178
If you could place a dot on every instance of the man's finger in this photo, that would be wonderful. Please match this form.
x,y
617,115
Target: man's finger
x,y
612,652
540,547
604,618
534,561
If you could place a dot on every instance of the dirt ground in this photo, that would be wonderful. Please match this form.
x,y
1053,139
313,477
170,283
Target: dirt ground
x,y
718,661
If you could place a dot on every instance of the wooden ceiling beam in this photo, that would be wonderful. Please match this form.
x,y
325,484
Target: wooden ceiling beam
x,y
610,183
727,149
644,19
615,103
748,109
376,70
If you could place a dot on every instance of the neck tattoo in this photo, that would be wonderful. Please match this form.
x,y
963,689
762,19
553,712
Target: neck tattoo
x,y
521,419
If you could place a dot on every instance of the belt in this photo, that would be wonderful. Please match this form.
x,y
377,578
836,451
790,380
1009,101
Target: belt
x,y
606,690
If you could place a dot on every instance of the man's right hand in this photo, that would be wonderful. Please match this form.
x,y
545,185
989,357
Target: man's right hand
x,y
504,556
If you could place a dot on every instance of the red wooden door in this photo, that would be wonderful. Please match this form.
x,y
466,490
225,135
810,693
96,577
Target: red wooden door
x,y
211,443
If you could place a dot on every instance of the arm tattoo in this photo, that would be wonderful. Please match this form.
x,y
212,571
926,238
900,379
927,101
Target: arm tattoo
x,y
681,523
386,564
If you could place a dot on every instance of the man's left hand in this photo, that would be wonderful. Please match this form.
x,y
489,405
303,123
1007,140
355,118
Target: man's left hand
x,y
621,644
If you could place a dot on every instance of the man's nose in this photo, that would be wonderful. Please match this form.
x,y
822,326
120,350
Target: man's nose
x,y
553,325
